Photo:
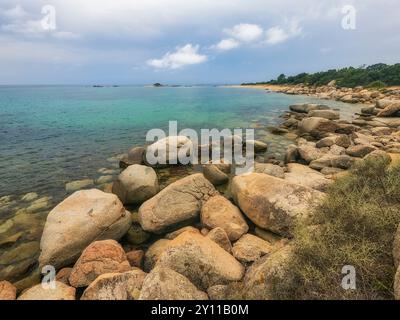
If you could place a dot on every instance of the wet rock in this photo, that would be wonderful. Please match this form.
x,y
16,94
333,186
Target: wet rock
x,y
166,284
215,175
39,204
272,203
249,248
104,179
220,212
190,254
73,186
178,203
38,292
134,156
79,220
30,197
116,286
259,146
100,257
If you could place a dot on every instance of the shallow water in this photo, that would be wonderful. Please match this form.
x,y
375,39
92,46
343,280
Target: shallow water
x,y
53,135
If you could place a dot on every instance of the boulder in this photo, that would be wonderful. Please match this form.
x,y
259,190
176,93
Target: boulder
x,y
178,203
383,103
79,185
82,218
360,150
154,252
163,283
220,212
291,154
378,154
219,236
7,291
306,108
100,257
63,275
390,111
326,114
307,177
249,248
390,122
38,292
136,184
272,203
134,156
174,234
116,286
381,131
215,175
270,169
317,127
335,161
259,146
201,260
135,258
308,152
167,151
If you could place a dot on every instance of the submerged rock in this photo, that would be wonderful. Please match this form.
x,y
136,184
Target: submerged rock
x,y
215,175
79,185
82,218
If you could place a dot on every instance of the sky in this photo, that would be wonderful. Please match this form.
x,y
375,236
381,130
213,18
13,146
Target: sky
x,y
190,41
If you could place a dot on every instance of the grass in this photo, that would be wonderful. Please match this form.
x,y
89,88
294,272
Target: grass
x,y
354,226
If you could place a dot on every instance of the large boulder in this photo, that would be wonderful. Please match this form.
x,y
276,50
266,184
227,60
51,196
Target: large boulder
x,y
82,218
307,177
154,252
38,292
215,175
249,248
134,156
165,284
360,150
220,212
136,184
116,286
317,127
201,260
100,257
7,291
390,122
326,114
389,111
307,107
272,203
168,151
334,161
269,168
308,152
178,203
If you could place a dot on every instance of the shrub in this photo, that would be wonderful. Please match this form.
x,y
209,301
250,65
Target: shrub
x,y
355,225
376,85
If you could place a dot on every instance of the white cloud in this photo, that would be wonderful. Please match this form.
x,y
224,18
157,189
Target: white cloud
x,y
183,56
14,13
226,44
245,32
280,34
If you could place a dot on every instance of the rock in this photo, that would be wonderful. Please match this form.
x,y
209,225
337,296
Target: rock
x,y
390,122
215,175
257,281
259,146
38,292
381,131
383,103
371,110
396,248
272,203
136,235
326,114
360,150
79,185
335,161
307,177
178,203
378,154
153,253
173,235
39,204
390,110
201,260
279,130
326,142
135,156
218,292
306,108
136,184
63,275
104,179
82,218
343,140
116,286
220,212
327,171
166,284
249,248
270,169
29,197
7,291
100,257
397,285
166,151
308,152
135,258
292,154
317,127
219,236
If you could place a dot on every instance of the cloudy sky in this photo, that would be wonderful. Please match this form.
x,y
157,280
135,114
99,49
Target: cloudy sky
x,y
189,41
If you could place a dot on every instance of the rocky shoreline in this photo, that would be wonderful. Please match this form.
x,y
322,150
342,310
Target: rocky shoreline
x,y
207,233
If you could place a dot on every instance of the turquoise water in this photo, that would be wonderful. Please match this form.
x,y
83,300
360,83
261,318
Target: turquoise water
x,y
52,135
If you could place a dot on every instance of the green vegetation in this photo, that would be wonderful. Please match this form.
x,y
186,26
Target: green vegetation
x,y
377,75
354,226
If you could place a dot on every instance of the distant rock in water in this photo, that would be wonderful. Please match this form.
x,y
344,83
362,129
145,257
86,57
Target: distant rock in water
x,y
157,85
